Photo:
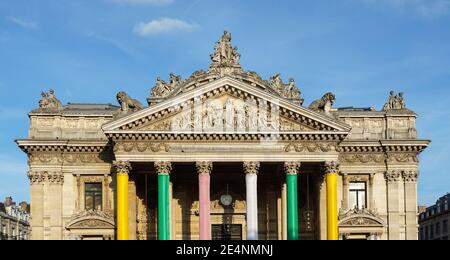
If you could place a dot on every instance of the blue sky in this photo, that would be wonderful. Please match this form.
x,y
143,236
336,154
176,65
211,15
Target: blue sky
x,y
88,50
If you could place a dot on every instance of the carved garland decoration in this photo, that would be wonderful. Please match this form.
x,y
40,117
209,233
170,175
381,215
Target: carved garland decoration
x,y
310,147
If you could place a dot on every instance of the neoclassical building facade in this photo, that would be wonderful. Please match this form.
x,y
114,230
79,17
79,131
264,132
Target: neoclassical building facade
x,y
223,155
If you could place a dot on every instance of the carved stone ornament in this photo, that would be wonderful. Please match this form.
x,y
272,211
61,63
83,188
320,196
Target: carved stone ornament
x,y
162,89
395,102
362,158
122,167
204,168
410,176
224,53
292,168
127,104
39,177
360,217
403,158
324,104
251,167
91,220
163,168
310,147
392,176
289,91
49,102
331,167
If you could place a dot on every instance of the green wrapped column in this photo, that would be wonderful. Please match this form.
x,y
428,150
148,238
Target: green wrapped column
x,y
291,169
163,169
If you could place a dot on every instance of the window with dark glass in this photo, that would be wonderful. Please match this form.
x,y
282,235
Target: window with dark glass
x,y
358,195
93,196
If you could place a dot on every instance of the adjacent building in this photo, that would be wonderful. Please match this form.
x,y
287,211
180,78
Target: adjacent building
x,y
225,155
14,220
434,222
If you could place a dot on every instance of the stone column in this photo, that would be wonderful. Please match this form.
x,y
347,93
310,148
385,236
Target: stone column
x,y
331,171
345,192
37,201
392,179
122,170
284,209
204,176
55,180
410,180
291,169
251,179
163,169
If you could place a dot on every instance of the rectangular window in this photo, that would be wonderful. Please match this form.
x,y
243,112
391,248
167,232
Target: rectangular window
x,y
358,195
93,196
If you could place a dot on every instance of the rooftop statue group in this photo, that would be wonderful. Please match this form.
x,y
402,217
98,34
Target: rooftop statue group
x,y
395,102
225,61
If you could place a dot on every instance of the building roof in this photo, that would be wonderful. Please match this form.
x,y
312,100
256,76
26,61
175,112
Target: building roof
x,y
77,109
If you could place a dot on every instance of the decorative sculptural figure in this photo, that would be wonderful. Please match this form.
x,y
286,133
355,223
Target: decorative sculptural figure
x,y
49,101
395,102
128,104
224,52
324,104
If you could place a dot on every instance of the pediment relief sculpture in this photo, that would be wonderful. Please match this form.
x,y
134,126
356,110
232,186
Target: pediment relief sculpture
x,y
91,220
229,115
361,217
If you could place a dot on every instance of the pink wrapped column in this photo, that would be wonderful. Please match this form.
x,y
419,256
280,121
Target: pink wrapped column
x,y
204,177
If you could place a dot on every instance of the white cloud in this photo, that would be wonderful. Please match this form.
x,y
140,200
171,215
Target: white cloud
x,y
163,25
23,23
424,8
143,2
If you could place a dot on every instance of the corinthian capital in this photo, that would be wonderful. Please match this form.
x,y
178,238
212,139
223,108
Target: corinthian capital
x,y
204,168
291,168
251,167
55,178
36,177
163,168
122,167
410,176
392,176
331,167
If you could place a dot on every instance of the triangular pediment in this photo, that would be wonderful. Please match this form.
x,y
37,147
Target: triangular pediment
x,y
226,105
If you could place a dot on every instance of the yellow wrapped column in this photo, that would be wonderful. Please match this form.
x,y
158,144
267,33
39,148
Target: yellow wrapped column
x,y
331,171
122,171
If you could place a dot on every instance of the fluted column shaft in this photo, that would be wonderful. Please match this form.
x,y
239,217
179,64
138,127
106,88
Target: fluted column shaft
x,y
163,169
251,179
204,175
291,169
122,171
331,171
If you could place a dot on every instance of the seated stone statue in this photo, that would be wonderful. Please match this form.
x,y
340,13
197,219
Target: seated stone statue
x,y
128,104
